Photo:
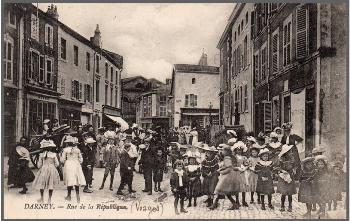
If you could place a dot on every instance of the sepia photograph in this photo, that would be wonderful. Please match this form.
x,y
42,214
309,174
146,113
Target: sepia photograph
x,y
176,110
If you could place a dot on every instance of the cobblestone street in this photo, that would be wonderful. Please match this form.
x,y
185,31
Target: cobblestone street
x,y
140,206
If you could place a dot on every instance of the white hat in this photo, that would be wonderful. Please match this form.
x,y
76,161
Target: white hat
x,y
321,157
252,139
90,140
46,121
240,145
273,135
277,128
232,132
285,149
189,154
134,125
263,151
110,134
70,139
47,143
232,141
23,152
318,150
142,146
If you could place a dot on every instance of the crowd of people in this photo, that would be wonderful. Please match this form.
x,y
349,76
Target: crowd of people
x,y
243,167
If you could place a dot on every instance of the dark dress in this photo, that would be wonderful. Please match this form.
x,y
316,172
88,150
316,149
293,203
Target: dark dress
x,y
19,173
159,167
180,192
336,186
13,167
321,186
194,187
88,159
305,194
210,175
265,182
284,187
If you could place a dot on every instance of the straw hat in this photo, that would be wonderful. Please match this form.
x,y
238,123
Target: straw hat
x,y
47,143
70,139
110,134
251,139
264,151
232,132
287,126
142,146
318,150
240,145
46,121
273,135
23,152
276,129
90,140
232,141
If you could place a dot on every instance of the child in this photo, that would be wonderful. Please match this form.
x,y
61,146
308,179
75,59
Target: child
x,y
253,178
240,148
264,185
274,147
321,184
210,175
47,176
286,176
337,176
317,152
160,164
179,185
88,151
194,187
72,172
305,194
111,160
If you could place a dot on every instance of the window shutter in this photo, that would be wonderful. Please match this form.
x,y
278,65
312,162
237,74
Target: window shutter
x,y
46,34
51,37
301,31
73,90
267,115
85,94
275,54
80,91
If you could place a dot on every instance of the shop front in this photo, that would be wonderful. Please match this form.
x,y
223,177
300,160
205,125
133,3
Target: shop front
x,y
9,118
112,115
199,117
69,113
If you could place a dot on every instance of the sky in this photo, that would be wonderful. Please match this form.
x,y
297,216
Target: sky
x,y
151,37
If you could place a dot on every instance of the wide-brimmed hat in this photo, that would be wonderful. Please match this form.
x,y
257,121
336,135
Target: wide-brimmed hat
x,y
264,151
222,146
307,159
46,121
285,149
23,152
240,145
256,147
142,146
101,129
321,157
190,154
90,140
287,126
70,139
70,131
232,141
273,135
110,134
251,139
318,150
134,125
47,143
276,129
232,132
212,149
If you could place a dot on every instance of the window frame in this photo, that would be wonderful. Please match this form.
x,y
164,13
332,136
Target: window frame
x,y
286,45
76,55
9,14
49,35
42,69
63,51
276,32
88,61
8,40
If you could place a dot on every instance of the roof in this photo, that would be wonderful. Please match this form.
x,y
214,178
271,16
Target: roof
x,y
190,68
124,80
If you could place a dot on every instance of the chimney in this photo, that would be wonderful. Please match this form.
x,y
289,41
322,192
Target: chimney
x,y
52,11
204,60
96,40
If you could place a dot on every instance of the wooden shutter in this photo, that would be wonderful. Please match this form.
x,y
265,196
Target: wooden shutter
x,y
267,115
51,37
73,89
91,94
80,91
302,31
275,53
85,93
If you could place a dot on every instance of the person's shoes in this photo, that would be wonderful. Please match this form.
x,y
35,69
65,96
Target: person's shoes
x,y
68,198
182,210
214,206
86,190
132,191
160,190
252,201
23,191
101,188
263,207
189,204
195,203
271,206
149,193
110,188
145,191
120,193
283,209
90,186
290,209
177,212
210,203
245,204
206,201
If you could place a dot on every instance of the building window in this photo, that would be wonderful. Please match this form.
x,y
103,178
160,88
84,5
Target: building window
x,y
41,69
149,106
8,58
193,100
144,106
12,19
302,30
186,100
76,90
34,65
116,97
76,55
116,77
263,63
97,64
38,111
239,30
275,112
111,104
245,98
275,52
286,109
287,38
245,52
235,36
97,93
49,35
63,48
106,94
242,25
162,111
63,86
193,80
87,93
88,61
49,74
241,98
34,27
112,73
106,71
256,67
246,18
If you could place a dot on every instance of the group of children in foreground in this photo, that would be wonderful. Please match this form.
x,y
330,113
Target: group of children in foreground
x,y
237,168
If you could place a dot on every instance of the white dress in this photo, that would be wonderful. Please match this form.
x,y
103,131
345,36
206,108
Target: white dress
x,y
72,172
47,176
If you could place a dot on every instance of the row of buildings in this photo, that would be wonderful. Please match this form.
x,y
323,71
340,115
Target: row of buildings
x,y
286,62
53,72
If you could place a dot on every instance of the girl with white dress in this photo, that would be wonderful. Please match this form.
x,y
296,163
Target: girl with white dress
x,y
72,172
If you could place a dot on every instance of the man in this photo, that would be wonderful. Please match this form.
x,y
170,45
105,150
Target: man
x,y
133,149
126,170
88,163
100,141
147,163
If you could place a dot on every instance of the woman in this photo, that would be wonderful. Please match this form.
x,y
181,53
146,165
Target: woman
x,y
210,175
72,172
228,183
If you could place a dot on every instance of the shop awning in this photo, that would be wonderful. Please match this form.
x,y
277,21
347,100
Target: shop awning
x,y
124,125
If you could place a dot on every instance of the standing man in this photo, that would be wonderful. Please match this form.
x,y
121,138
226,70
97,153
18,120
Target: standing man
x,y
88,162
147,163
126,170
100,141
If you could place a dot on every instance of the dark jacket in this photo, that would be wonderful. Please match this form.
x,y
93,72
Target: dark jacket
x,y
126,162
88,155
293,138
174,180
111,156
147,158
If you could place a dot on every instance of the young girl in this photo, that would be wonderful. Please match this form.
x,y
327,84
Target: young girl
x,y
264,185
194,187
336,188
72,171
47,176
253,178
274,147
286,176
179,185
240,148
210,175
111,159
305,194
160,164
321,184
